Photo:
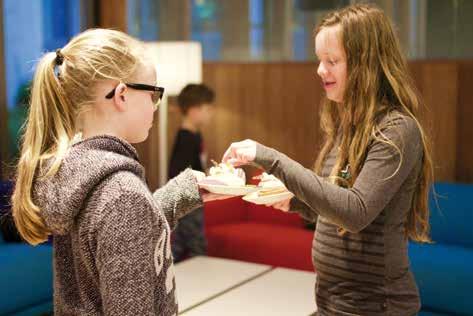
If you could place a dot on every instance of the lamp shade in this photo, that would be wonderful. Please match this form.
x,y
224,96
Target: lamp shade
x,y
177,64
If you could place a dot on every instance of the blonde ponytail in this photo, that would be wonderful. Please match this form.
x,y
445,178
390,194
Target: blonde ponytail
x,y
45,126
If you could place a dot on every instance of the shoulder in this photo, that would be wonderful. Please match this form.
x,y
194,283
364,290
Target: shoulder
x,y
398,128
123,197
397,138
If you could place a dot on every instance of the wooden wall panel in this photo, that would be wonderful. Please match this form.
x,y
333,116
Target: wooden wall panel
x,y
464,172
275,104
437,82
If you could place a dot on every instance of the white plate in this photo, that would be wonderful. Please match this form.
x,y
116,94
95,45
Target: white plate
x,y
267,199
229,190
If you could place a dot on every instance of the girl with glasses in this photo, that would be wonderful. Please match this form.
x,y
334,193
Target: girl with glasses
x,y
80,180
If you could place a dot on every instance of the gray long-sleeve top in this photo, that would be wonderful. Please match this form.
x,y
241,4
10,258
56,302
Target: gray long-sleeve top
x,y
366,270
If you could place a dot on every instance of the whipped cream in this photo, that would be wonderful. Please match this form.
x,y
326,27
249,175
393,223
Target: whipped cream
x,y
268,181
226,174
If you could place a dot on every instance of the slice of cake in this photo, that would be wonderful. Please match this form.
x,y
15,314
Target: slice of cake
x,y
225,174
270,185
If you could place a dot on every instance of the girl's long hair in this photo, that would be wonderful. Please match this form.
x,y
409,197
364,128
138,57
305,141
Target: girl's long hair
x,y
378,83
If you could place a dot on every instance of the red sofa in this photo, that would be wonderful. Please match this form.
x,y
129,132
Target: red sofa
x,y
240,230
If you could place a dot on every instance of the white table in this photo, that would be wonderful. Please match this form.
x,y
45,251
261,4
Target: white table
x,y
202,278
278,292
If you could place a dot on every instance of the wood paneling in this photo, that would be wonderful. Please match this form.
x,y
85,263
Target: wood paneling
x,y
438,85
464,170
277,104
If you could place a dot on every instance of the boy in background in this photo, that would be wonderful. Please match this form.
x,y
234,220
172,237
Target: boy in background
x,y
196,102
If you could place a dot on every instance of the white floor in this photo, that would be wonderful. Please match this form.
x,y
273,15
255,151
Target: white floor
x,y
240,288
201,278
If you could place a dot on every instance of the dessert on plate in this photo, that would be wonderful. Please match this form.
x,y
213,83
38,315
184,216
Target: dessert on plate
x,y
270,190
225,174
225,179
270,185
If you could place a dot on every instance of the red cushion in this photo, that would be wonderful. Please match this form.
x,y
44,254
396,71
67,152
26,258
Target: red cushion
x,y
269,215
225,211
275,245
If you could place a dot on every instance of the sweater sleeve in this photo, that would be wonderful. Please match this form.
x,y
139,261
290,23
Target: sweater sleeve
x,y
384,170
303,209
124,259
179,197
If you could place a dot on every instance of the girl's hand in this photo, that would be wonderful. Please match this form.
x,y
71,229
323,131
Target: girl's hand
x,y
240,153
283,205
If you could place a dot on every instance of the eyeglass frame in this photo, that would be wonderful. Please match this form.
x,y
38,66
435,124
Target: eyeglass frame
x,y
139,86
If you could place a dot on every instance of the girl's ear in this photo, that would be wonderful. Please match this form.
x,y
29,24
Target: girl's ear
x,y
120,97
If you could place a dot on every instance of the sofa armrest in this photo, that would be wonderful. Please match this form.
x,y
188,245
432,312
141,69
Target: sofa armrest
x,y
225,211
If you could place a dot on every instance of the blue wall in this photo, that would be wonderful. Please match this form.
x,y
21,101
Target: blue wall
x,y
30,29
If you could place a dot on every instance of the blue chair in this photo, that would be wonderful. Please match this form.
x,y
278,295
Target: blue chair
x,y
25,272
444,270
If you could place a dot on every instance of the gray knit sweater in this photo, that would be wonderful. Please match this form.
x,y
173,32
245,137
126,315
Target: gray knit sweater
x,y
366,270
112,251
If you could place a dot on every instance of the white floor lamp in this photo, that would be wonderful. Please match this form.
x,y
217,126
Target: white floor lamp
x,y
177,64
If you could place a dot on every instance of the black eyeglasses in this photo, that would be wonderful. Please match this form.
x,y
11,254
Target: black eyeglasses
x,y
157,95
